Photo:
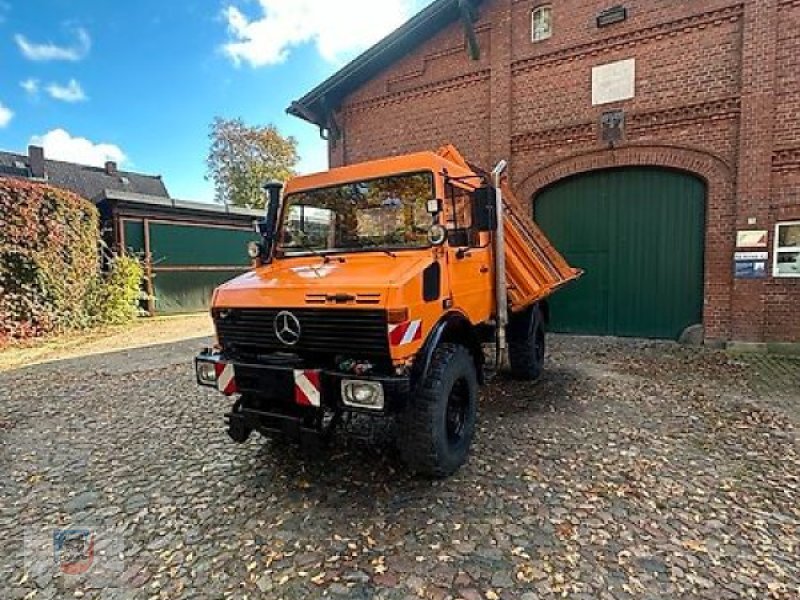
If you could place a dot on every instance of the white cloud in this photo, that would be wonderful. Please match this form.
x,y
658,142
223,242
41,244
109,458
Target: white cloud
x,y
6,114
58,144
313,156
30,85
336,28
50,51
72,92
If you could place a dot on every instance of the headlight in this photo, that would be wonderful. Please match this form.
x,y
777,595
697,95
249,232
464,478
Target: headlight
x,y
362,394
206,373
254,250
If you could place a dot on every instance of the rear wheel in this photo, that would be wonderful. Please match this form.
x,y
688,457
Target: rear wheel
x,y
526,343
437,426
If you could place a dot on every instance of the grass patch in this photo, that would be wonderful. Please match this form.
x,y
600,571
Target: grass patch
x,y
140,333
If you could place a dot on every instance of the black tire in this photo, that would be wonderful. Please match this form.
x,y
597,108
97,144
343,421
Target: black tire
x,y
436,428
526,344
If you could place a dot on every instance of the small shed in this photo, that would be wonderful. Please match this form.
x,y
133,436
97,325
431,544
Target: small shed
x,y
188,248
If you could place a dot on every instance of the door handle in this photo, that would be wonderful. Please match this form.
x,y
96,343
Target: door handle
x,y
484,269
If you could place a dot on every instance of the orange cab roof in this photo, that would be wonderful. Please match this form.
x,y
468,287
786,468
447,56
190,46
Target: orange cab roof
x,y
396,165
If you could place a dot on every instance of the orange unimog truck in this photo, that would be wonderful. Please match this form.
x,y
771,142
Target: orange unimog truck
x,y
393,288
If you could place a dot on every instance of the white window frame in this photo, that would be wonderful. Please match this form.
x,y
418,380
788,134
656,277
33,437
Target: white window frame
x,y
778,250
539,9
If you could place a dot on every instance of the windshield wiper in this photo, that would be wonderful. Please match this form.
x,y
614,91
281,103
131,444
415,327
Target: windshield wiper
x,y
302,239
386,251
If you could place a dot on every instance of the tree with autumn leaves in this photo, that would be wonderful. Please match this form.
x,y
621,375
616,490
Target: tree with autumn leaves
x,y
242,158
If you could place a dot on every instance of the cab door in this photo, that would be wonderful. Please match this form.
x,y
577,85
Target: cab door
x,y
469,257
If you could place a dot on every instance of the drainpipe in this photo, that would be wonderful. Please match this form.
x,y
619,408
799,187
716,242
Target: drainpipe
x,y
468,18
501,284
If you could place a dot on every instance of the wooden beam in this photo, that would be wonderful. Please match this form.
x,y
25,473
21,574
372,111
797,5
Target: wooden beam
x,y
148,270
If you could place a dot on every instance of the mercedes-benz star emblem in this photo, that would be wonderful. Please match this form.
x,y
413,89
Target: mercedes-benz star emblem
x,y
287,328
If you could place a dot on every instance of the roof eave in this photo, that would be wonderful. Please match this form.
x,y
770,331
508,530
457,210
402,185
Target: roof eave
x,y
314,105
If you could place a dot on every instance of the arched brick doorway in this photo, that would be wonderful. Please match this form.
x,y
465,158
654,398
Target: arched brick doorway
x,y
719,236
638,233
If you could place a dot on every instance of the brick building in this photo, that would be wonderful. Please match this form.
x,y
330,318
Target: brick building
x,y
657,142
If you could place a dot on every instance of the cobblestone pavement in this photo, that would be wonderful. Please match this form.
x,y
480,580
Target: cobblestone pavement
x,y
633,470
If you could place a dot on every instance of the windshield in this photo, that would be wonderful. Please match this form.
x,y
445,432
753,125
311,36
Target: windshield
x,y
385,213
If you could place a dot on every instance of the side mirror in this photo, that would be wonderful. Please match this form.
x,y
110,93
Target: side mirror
x,y
484,209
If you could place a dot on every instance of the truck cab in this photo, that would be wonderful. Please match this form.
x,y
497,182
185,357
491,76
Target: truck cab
x,y
375,291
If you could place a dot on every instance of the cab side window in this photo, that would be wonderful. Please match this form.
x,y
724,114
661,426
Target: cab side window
x,y
458,216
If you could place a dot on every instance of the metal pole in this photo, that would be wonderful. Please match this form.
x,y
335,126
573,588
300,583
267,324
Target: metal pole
x,y
501,284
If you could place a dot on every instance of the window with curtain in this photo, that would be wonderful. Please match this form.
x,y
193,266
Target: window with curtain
x,y
542,23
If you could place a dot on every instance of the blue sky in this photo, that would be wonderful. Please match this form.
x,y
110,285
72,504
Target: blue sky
x,y
140,81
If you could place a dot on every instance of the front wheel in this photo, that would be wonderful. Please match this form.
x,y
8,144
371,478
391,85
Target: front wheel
x,y
437,426
526,344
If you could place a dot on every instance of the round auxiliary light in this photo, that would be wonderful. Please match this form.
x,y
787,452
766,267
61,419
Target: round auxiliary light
x,y
437,235
254,250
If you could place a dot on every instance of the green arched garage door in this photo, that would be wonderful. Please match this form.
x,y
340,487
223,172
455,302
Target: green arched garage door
x,y
639,235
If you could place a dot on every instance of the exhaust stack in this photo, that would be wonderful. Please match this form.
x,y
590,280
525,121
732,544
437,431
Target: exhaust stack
x,y
501,283
267,228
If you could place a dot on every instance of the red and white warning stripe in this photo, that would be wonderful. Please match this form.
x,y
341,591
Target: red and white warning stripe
x,y
405,333
307,387
226,379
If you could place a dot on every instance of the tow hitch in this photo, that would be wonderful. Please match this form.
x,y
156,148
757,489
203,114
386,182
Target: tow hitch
x,y
243,420
238,429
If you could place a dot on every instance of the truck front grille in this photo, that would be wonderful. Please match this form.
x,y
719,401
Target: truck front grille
x,y
353,332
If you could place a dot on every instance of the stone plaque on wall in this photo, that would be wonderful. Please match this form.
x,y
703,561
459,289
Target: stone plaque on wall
x,y
614,82
752,238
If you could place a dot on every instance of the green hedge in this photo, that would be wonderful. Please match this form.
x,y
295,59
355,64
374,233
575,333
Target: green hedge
x,y
50,276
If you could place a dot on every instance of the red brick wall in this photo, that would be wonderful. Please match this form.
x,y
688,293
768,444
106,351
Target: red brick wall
x,y
782,296
717,94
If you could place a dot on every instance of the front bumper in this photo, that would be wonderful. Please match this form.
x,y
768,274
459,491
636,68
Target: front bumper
x,y
308,389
